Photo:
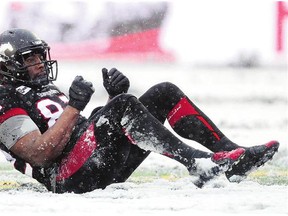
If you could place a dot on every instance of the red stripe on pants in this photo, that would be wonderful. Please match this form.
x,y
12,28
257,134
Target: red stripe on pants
x,y
184,108
82,150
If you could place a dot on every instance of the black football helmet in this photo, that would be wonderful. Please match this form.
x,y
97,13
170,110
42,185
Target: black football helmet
x,y
15,46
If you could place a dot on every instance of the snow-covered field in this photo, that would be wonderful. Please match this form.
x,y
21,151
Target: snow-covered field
x,y
250,106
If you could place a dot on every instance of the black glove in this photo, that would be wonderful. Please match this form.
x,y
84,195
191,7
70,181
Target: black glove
x,y
80,93
115,82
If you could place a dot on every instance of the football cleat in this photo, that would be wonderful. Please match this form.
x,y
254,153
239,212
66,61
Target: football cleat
x,y
253,158
206,169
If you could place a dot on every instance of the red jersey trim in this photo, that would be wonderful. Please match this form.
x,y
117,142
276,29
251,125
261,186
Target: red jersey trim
x,y
12,112
82,150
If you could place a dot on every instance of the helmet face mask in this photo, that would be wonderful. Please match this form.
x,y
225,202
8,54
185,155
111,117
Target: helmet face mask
x,y
16,46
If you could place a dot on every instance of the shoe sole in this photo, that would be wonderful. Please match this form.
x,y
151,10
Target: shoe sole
x,y
268,155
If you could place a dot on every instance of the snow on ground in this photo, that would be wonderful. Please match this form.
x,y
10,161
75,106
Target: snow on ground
x,y
249,106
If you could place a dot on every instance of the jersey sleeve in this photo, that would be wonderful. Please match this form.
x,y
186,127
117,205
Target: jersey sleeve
x,y
14,124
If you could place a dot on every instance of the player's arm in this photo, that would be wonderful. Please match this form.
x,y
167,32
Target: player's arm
x,y
41,149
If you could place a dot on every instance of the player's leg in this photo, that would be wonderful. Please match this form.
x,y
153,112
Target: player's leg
x,y
135,157
149,134
98,155
124,132
167,101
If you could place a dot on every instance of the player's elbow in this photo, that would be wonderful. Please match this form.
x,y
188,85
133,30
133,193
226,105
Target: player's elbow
x,y
39,159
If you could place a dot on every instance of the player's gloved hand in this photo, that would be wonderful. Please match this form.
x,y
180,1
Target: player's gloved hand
x,y
115,82
80,93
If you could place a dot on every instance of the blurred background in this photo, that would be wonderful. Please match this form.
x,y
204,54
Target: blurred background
x,y
229,33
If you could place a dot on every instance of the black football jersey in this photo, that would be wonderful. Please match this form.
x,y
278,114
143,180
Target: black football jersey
x,y
44,106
